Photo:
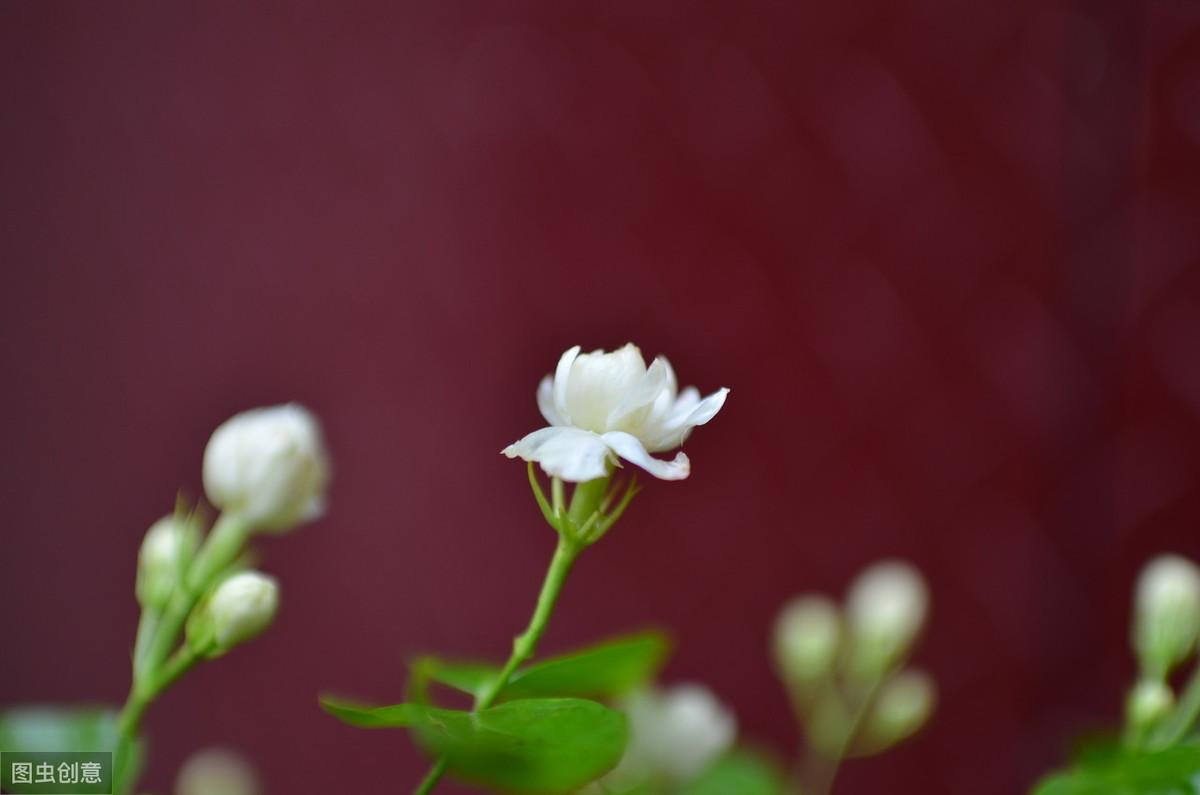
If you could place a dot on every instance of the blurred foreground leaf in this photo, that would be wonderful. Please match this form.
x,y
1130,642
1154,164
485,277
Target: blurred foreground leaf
x,y
739,773
539,745
52,728
1111,770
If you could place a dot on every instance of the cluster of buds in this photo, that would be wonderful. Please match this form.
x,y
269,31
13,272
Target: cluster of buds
x,y
267,471
844,666
1165,633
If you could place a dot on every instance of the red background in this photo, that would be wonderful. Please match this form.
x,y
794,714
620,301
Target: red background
x,y
941,252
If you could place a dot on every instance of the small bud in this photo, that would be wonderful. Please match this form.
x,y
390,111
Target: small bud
x,y
902,707
217,772
885,610
806,639
240,608
165,552
1149,701
269,467
1166,614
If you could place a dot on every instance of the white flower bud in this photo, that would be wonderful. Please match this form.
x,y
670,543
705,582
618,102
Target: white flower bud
x,y
806,638
902,707
216,771
241,608
269,467
166,549
1149,701
675,733
885,611
1166,614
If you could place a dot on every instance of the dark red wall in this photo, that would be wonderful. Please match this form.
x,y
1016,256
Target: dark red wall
x,y
941,251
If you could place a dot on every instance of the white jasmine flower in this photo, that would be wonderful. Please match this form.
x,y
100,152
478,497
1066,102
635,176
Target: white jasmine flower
x,y
603,406
676,733
242,607
1149,701
1166,614
268,467
216,771
885,611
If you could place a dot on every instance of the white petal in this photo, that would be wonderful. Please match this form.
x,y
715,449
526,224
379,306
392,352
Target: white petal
x,y
545,398
569,453
561,376
687,413
628,447
639,401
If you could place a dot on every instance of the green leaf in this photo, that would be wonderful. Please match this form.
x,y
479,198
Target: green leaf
x,y
544,745
541,745
739,773
396,716
606,670
77,728
1115,771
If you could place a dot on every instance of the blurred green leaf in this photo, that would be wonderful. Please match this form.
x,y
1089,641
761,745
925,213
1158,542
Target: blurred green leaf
x,y
739,773
1110,770
541,745
395,716
76,728
544,745
611,668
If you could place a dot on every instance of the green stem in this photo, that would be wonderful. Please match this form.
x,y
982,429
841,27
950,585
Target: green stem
x,y
431,778
823,771
140,698
525,644
1183,716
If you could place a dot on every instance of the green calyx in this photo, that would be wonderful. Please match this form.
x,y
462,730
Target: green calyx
x,y
594,507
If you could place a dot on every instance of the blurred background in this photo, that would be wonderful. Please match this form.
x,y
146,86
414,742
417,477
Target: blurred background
x,y
942,252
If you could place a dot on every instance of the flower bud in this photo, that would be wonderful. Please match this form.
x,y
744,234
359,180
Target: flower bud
x,y
269,467
1148,702
1166,614
165,552
240,608
216,771
902,707
675,733
806,639
885,611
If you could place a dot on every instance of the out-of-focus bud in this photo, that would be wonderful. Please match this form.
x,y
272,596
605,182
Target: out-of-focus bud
x,y
675,733
168,546
1166,614
268,467
216,771
1149,701
902,707
885,611
240,608
806,639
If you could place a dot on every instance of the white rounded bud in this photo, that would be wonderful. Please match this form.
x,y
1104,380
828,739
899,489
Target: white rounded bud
x,y
1166,614
1149,701
902,707
268,467
242,607
675,733
216,771
165,551
806,638
885,610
